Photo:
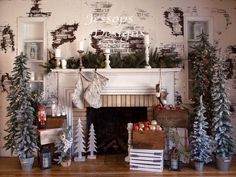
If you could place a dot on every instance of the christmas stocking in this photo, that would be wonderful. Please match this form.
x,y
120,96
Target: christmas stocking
x,y
93,92
78,95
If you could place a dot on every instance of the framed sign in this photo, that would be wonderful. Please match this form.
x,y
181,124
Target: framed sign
x,y
48,136
32,50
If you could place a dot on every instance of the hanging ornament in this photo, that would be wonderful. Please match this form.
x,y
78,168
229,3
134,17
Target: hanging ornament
x,y
158,93
163,97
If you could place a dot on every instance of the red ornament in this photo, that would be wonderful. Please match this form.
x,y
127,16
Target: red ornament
x,y
158,107
146,128
147,123
42,117
136,127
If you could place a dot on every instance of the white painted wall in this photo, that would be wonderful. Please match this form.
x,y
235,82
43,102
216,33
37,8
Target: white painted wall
x,y
70,11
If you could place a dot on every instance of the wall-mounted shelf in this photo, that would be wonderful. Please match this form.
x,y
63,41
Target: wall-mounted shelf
x,y
32,41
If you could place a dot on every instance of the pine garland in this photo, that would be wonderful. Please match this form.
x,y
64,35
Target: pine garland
x,y
21,132
94,60
135,60
164,59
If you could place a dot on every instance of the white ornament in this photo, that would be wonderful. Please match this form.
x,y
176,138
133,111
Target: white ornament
x,y
92,143
79,142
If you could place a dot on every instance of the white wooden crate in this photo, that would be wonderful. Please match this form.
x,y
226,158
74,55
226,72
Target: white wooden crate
x,y
146,160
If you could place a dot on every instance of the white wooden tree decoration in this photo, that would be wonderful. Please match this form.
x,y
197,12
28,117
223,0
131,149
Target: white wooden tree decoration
x,y
92,143
79,142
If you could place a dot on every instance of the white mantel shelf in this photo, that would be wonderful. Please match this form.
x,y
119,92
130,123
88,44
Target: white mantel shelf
x,y
120,70
124,81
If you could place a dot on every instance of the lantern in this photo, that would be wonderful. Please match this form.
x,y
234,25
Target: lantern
x,y
41,117
45,157
174,159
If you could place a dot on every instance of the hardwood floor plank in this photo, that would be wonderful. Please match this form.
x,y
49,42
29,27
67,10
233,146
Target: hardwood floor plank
x,y
105,166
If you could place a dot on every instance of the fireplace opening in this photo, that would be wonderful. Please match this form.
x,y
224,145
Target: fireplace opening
x,y
110,125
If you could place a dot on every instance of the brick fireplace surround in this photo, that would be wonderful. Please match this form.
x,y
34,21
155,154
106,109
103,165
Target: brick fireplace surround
x,y
125,88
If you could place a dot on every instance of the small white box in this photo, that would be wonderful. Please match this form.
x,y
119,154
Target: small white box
x,y
146,160
48,136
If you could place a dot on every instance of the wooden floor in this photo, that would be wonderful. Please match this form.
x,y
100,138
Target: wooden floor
x,y
104,166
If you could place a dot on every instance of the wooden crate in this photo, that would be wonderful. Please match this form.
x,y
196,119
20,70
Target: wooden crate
x,y
173,118
148,140
146,160
55,122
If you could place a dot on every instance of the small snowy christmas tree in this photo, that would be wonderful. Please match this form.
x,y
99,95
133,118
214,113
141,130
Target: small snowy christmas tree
x,y
79,142
92,143
21,132
222,128
200,144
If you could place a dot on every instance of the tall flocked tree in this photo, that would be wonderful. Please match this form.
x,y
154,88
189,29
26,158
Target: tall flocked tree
x,y
21,132
221,123
202,57
200,143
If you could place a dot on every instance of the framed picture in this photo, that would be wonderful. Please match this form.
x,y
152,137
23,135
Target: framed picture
x,y
32,50
198,29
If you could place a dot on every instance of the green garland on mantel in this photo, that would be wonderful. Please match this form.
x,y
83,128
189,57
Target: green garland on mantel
x,y
134,60
165,58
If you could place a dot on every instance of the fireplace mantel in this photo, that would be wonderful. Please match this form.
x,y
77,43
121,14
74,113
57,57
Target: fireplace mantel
x,y
128,81
120,70
121,82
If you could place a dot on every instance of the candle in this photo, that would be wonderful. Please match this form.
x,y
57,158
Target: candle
x,y
63,64
130,126
81,46
146,39
107,51
58,53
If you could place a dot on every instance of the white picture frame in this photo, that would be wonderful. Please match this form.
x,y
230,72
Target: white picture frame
x,y
48,136
198,29
32,50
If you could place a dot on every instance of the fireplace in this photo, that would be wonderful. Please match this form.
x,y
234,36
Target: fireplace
x,y
111,126
110,121
125,88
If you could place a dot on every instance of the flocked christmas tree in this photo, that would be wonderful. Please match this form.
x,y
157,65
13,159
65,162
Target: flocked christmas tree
x,y
79,147
221,123
92,143
200,143
202,58
21,132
